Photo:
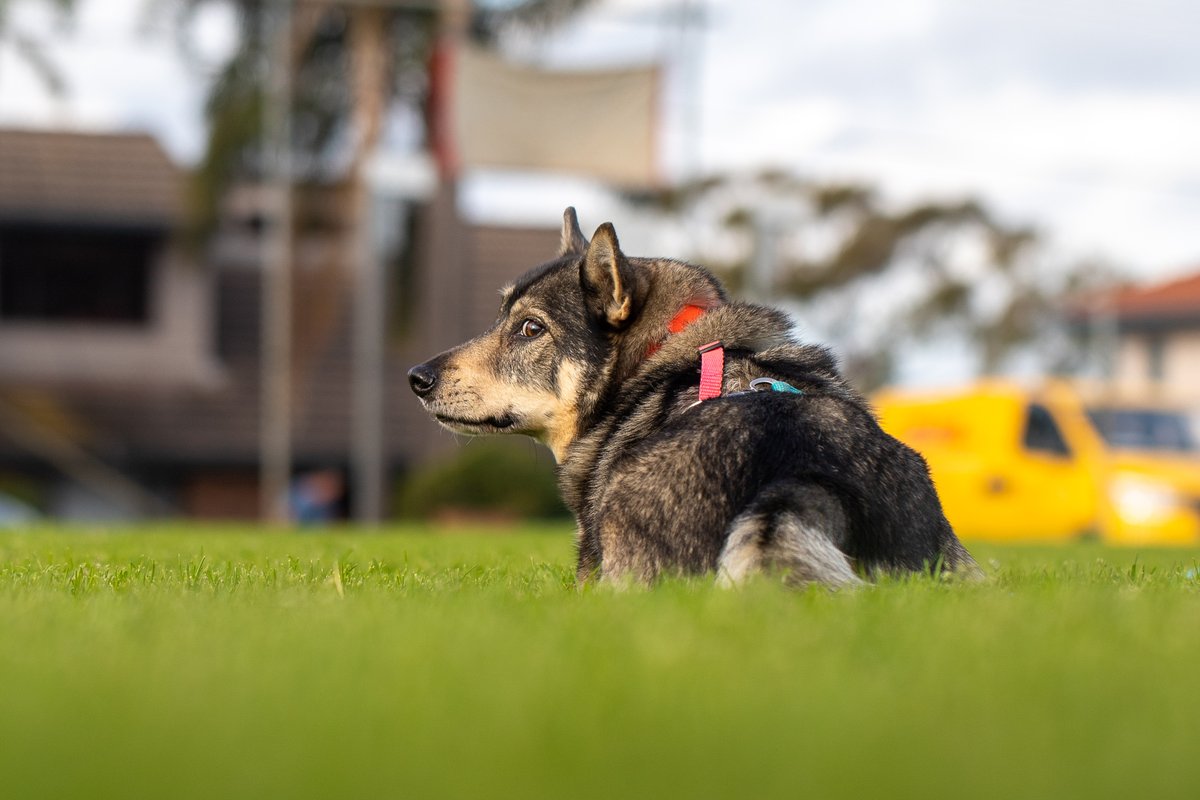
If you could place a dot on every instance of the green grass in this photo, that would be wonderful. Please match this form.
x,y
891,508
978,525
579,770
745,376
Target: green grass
x,y
192,663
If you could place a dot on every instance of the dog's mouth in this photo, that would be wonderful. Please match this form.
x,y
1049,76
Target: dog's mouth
x,y
485,425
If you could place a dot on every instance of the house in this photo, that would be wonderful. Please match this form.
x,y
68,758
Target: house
x,y
1153,332
130,365
92,286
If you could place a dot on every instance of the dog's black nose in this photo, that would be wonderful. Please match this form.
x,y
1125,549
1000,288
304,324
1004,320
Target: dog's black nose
x,y
422,378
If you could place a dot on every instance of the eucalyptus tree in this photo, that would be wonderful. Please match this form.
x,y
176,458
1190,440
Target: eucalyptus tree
x,y
878,277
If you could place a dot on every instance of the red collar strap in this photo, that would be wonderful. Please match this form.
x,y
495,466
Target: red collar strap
x,y
686,316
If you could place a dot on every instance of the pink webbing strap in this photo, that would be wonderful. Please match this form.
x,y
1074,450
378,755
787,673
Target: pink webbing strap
x,y
712,370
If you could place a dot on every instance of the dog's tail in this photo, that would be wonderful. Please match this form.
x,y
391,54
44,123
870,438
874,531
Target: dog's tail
x,y
958,563
793,528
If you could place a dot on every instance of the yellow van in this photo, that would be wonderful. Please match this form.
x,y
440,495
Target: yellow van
x,y
1056,462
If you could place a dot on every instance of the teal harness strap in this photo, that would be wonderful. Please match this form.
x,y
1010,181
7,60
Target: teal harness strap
x,y
775,386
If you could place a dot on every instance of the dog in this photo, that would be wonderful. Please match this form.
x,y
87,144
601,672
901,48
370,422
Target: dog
x,y
637,373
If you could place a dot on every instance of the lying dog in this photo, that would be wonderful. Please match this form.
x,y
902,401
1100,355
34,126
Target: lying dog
x,y
672,462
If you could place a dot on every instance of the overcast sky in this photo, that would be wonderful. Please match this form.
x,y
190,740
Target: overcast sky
x,y
1080,117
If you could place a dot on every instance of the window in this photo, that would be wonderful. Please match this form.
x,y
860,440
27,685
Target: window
x,y
57,275
1042,434
1143,429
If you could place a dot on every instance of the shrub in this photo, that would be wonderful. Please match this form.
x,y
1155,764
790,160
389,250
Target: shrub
x,y
485,478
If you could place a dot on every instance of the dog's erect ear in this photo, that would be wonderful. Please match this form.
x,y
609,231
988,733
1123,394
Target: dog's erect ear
x,y
613,287
573,242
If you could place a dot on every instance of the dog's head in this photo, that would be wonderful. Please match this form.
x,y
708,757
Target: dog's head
x,y
568,332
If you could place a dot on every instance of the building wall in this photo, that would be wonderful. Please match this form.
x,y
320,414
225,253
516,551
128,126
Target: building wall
x,y
221,495
173,347
1166,365
1182,364
1131,370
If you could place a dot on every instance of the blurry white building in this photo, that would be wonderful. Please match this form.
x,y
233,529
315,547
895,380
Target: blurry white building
x,y
1155,337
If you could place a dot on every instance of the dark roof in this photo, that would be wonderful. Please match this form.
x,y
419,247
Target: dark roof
x,y
88,178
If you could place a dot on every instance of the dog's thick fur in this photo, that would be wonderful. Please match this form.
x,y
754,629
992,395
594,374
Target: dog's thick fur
x,y
580,358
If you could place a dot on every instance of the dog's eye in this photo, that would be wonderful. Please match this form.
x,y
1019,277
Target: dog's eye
x,y
531,329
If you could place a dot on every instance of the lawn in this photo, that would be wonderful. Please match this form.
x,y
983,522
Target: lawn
x,y
209,663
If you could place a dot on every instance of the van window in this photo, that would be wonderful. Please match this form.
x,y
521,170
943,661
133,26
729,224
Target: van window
x,y
1042,434
1143,429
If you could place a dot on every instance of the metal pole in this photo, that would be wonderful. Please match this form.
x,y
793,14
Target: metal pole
x,y
1105,335
369,312
275,410
761,283
369,63
692,20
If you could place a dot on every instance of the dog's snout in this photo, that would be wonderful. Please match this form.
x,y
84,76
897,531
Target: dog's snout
x,y
421,378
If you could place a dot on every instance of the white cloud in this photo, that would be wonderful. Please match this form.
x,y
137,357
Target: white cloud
x,y
117,76
1076,117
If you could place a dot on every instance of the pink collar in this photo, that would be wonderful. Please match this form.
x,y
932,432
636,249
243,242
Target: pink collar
x,y
712,370
712,355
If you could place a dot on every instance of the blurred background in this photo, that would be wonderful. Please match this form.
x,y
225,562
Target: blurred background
x,y
228,228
